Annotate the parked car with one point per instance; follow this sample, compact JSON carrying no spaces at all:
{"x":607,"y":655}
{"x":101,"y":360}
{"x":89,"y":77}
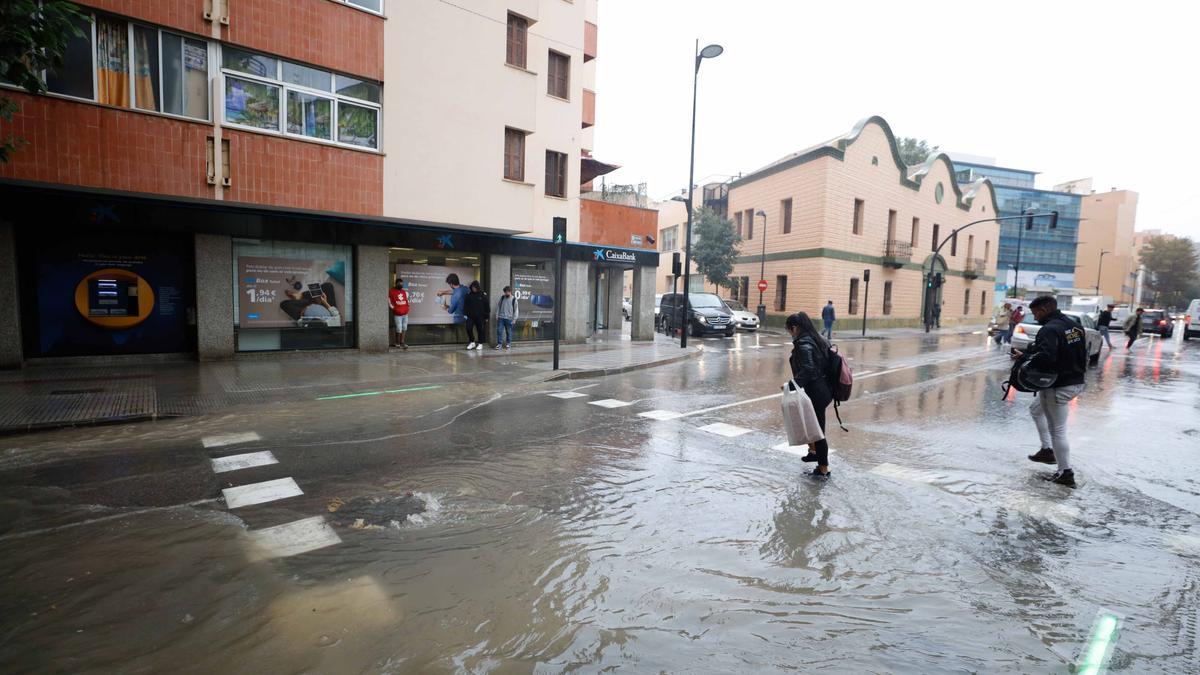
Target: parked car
{"x":626,"y":308}
{"x":1158,"y":322}
{"x":1191,"y":320}
{"x":706,"y":314}
{"x":742,"y":318}
{"x":1025,"y":331}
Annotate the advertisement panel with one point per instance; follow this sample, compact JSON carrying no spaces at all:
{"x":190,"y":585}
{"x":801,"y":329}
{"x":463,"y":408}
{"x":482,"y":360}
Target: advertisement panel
{"x":428,"y":292}
{"x":534,"y":290}
{"x":288,"y":292}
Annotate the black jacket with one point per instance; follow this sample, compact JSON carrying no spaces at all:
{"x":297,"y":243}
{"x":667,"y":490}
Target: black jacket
{"x":810,"y":365}
{"x":1060,"y":346}
{"x":475,"y":305}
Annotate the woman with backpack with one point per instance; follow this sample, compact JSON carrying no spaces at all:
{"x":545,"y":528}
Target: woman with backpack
{"x":810,"y":368}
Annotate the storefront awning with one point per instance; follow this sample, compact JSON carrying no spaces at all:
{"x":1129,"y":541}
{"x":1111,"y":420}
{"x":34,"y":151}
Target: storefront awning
{"x":591,"y":169}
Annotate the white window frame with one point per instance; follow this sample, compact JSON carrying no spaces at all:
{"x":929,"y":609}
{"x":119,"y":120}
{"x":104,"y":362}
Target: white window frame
{"x":284,"y":87}
{"x":351,"y":3}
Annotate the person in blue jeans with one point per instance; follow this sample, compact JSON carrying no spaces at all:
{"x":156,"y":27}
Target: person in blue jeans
{"x":506,"y":314}
{"x":455,"y":305}
{"x":828,"y":316}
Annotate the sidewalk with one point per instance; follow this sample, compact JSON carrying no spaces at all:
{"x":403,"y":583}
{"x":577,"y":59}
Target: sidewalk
{"x":54,"y":396}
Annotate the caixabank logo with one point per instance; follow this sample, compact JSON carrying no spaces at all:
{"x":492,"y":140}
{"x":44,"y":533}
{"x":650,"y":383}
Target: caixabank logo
{"x":609,"y":255}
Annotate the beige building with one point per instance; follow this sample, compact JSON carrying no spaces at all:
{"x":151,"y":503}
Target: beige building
{"x":1107,"y":226}
{"x":838,"y":209}
{"x":672,"y":230}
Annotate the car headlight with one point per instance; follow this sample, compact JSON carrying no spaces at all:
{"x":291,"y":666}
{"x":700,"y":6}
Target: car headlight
{"x":701,"y":319}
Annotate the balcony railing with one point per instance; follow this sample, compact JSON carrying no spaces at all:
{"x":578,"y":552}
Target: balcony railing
{"x":896,"y":253}
{"x":974,"y":268}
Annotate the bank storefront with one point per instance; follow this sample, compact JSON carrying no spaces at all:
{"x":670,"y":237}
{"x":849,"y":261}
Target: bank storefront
{"x":104,"y":274}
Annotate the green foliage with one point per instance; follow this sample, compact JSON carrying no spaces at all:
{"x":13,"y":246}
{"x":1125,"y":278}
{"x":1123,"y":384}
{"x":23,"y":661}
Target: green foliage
{"x":714,"y":246}
{"x":1170,"y":264}
{"x":33,"y":37}
{"x":914,"y":152}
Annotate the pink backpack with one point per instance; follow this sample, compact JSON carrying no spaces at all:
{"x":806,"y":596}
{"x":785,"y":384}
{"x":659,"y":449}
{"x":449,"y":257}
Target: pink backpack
{"x":841,"y":381}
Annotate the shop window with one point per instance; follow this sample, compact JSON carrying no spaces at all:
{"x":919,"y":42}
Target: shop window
{"x":854,"y":296}
{"x":431,"y":297}
{"x":781,"y":293}
{"x":292,"y":296}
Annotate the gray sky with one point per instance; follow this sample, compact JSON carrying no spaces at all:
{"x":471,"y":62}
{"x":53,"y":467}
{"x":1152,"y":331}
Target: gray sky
{"x":1109,"y":87}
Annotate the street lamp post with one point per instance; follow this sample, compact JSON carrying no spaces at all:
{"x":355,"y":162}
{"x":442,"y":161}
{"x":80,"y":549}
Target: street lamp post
{"x":762,"y":270}
{"x":709,"y":52}
{"x":1099,"y":268}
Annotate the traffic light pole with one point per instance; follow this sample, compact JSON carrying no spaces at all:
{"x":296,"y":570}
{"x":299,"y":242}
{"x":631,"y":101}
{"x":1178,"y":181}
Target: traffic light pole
{"x":1027,"y":217}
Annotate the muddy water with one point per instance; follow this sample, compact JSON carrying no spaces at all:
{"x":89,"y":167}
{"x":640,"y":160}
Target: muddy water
{"x":655,"y":548}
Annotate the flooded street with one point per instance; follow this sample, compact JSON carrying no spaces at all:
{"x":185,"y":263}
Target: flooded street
{"x":654,"y":522}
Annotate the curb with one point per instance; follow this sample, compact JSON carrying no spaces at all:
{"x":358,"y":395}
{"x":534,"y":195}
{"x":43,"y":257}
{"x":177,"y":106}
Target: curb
{"x":94,"y":422}
{"x":602,"y":372}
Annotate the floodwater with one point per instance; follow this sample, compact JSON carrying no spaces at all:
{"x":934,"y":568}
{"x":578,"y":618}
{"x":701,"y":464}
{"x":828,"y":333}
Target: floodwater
{"x":562,"y":536}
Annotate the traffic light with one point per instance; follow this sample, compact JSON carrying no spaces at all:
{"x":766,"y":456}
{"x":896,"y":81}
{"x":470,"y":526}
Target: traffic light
{"x":676,"y":265}
{"x":1054,"y":220}
{"x":1029,"y":219}
{"x":937,"y":280}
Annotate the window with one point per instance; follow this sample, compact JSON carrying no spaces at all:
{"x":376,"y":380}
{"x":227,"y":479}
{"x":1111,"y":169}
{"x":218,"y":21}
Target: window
{"x":556,"y":174}
{"x":737,"y":223}
{"x":891,"y":233}
{"x":887,"y":297}
{"x":370,"y":5}
{"x":785,"y":208}
{"x":987,"y":249}
{"x":916,"y":232}
{"x":967,"y":301}
{"x":781,"y":293}
{"x":749,"y":223}
{"x":983,"y":302}
{"x":745,"y":285}
{"x":518,"y":41}
{"x":262,"y":92}
{"x":971,"y":246}
{"x":514,"y":154}
{"x":558,"y":81}
{"x":854,"y":296}
{"x":119,"y":63}
{"x":934,"y":245}
{"x":668,"y":238}
{"x":858,"y":216}
{"x":953,"y":244}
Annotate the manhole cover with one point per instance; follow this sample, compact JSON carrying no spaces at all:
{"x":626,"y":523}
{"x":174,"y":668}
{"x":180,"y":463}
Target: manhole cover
{"x":375,"y":513}
{"x":66,"y":392}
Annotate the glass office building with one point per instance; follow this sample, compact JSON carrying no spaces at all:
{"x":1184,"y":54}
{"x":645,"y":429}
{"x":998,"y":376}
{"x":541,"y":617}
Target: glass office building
{"x":1047,"y":257}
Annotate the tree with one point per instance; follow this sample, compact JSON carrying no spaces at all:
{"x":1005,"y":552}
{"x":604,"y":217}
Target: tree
{"x":1170,"y":264}
{"x":34,"y":35}
{"x":914,"y":152}
{"x":714,"y":246}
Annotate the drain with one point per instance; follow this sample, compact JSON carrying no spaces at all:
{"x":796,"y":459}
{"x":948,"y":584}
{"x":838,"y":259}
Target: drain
{"x":374,"y":513}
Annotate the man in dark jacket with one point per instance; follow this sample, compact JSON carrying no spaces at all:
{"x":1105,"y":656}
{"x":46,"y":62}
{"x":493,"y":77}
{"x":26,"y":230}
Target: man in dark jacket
{"x":475,"y":308}
{"x":1059,"y":347}
{"x":828,"y":316}
{"x":1103,"y":322}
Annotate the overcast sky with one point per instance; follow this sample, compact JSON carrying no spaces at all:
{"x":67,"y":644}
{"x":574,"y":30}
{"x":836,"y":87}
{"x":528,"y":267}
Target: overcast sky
{"x":1069,"y":89}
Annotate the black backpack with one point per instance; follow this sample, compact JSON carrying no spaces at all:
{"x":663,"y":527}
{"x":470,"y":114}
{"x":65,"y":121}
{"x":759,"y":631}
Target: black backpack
{"x":840,"y":380}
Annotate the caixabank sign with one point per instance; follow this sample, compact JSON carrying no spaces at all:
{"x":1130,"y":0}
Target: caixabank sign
{"x":615,"y":255}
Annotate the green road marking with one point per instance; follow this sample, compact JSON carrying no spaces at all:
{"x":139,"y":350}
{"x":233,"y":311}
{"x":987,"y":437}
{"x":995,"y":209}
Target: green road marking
{"x":377,"y":393}
{"x":1100,"y":647}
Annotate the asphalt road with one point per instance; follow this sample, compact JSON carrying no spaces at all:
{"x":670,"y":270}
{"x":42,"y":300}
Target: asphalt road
{"x":650,"y":522}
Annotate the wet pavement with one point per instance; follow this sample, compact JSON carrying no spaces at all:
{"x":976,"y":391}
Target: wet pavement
{"x":652,"y":521}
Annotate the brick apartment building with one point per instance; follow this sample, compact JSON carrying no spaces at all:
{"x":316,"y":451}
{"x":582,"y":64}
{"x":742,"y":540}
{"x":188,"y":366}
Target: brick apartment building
{"x":211,"y":177}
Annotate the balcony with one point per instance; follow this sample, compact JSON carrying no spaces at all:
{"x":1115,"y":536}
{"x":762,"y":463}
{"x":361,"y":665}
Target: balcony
{"x":589,"y":41}
{"x":974,"y":267}
{"x":589,"y":108}
{"x":896,"y":253}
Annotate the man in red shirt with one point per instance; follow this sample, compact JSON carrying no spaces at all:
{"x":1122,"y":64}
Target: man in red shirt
{"x":398,"y":301}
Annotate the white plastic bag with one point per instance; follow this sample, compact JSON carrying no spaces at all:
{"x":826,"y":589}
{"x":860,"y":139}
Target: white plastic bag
{"x":799,"y":417}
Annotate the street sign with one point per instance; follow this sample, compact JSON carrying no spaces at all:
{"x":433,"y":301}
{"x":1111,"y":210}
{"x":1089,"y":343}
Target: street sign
{"x":762,"y":285}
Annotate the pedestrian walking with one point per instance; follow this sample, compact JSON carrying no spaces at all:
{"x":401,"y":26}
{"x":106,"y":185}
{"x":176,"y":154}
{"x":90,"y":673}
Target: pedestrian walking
{"x":1002,"y":319}
{"x":828,"y":316}
{"x":1133,"y":327}
{"x":398,"y":301}
{"x":1017,"y":316}
{"x":937,"y":314}
{"x":475,"y":308}
{"x":1060,"y":347}
{"x":1103,"y":322}
{"x":454,"y":305}
{"x":810,"y":368}
{"x":506,"y":314}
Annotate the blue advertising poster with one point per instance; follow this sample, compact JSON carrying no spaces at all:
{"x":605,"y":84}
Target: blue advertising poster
{"x":104,"y":294}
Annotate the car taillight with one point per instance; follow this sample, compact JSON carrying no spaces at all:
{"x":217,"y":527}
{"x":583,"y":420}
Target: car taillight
{"x":1162,"y":322}
{"x":1021,"y":330}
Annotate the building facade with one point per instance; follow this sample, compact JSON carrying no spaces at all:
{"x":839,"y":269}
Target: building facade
{"x":1043,"y":258}
{"x":211,"y":178}
{"x":847,"y":208}
{"x":1106,"y":260}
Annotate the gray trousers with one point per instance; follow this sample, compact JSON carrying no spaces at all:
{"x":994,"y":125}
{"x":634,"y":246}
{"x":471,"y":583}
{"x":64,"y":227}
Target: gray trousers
{"x":1050,"y":410}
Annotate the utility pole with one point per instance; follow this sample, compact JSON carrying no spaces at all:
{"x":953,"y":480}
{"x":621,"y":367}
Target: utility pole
{"x":866,"y":298}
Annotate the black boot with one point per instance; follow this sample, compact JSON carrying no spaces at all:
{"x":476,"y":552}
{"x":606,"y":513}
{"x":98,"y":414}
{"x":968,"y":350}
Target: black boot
{"x":1045,"y":456}
{"x":1064,"y":477}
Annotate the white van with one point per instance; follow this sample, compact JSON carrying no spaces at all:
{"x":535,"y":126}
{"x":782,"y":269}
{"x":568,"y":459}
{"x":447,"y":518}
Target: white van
{"x":1191,"y":322}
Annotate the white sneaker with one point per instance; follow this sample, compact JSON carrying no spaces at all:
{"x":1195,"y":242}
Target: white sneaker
{"x":505,"y":347}
{"x":496,"y":347}
{"x":479,"y":346}
{"x":470,"y":346}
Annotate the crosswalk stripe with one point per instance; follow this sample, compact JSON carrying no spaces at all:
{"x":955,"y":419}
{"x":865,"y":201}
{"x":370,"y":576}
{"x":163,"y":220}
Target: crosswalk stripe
{"x":568,"y":394}
{"x":260,"y":493}
{"x":221,"y":440}
{"x":723,"y":429}
{"x":799,"y":450}
{"x":611,"y":403}
{"x":660,"y":414}
{"x":246,"y":461}
{"x":293,"y":538}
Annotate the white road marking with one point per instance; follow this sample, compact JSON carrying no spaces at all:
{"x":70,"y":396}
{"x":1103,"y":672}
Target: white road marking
{"x":568,"y":394}
{"x":1035,"y":507}
{"x":904,"y":473}
{"x":246,"y":461}
{"x":798,"y":450}
{"x":726,"y":430}
{"x":259,"y":493}
{"x":293,"y":538}
{"x":221,"y":440}
{"x":754,"y":347}
{"x":660,"y":414}
{"x":611,"y":403}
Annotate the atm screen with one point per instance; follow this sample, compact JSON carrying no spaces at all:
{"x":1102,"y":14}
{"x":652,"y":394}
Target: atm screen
{"x":112,"y":297}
